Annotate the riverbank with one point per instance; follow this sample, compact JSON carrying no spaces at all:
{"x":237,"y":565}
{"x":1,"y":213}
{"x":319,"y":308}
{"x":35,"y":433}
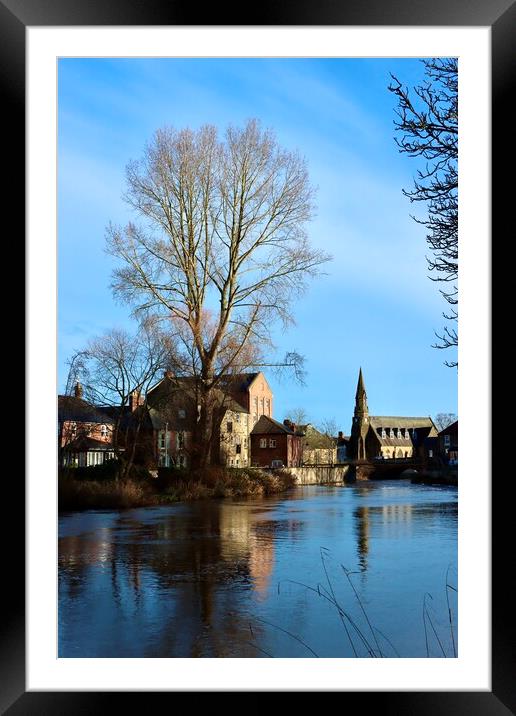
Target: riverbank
{"x":447,"y":475}
{"x":169,"y":487}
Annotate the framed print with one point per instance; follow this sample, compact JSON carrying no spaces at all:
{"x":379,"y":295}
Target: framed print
{"x":49,"y":55}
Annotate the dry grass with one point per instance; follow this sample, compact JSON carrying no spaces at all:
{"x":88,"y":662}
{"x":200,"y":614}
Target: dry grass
{"x":84,"y":494}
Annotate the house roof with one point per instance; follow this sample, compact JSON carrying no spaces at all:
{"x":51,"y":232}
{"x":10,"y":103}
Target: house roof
{"x":266,"y":425}
{"x":450,"y":429}
{"x":84,"y":444}
{"x":228,"y":396}
{"x":78,"y":410}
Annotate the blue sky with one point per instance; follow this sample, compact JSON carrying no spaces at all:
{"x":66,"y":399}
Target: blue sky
{"x":375,"y":308}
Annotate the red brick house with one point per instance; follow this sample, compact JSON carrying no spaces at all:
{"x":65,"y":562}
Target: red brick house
{"x":449,"y":443}
{"x":272,"y":441}
{"x":85,"y":432}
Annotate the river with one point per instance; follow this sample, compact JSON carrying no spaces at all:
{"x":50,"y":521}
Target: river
{"x":330,"y":571}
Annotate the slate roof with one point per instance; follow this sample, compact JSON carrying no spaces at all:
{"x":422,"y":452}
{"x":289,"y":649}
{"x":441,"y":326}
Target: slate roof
{"x":393,"y":421}
{"x":84,"y":443}
{"x":80,"y":411}
{"x":423,"y":427}
{"x":172,"y":393}
{"x":266,"y":425}
{"x":450,"y":429}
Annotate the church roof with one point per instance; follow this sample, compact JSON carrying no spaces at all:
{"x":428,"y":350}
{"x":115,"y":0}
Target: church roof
{"x":396,"y":421}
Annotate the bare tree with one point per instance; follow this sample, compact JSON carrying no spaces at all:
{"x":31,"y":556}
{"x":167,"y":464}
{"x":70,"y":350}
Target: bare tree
{"x":428,"y":125}
{"x":222,"y":249}
{"x":297,"y":416}
{"x":328,"y":428}
{"x":442,"y":420}
{"x":76,"y":368}
{"x":116,"y":370}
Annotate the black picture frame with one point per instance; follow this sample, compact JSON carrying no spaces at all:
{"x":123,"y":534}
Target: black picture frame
{"x":500,"y":16}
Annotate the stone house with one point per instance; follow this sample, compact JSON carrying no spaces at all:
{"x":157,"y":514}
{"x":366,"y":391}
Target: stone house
{"x":342,"y":447}
{"x":318,"y":448}
{"x":237,"y":406}
{"x":273,"y":441}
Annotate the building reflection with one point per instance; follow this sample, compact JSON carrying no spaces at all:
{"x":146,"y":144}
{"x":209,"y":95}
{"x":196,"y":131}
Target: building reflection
{"x":362,"y":535}
{"x":186,"y":578}
{"x":386,"y":521}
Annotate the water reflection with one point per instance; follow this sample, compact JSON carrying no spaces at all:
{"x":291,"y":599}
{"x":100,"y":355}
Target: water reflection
{"x":203,"y":579}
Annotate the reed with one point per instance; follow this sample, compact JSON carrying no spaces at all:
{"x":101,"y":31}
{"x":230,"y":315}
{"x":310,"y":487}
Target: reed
{"x":356,"y":635}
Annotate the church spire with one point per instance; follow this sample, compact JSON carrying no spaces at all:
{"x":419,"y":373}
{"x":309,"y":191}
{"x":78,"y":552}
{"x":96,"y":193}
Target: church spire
{"x":361,"y":397}
{"x":360,"y":427}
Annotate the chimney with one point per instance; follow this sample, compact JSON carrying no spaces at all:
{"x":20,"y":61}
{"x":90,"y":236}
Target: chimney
{"x":135,"y":400}
{"x":168,"y":374}
{"x":78,"y":390}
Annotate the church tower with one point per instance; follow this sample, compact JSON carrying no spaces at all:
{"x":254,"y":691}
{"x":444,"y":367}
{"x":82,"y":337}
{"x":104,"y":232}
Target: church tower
{"x":360,"y":421}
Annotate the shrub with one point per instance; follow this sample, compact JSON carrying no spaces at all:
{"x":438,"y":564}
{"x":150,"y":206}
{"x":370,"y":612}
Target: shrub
{"x":87,"y":494}
{"x":170,"y":476}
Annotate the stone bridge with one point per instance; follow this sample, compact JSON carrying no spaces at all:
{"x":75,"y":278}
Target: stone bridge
{"x":384,"y":469}
{"x":352,"y":470}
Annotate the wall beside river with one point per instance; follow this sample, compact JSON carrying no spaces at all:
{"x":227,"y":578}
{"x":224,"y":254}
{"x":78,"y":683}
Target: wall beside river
{"x":319,"y":475}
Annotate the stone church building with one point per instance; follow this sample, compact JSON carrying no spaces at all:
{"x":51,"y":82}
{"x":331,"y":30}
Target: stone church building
{"x":379,"y":436}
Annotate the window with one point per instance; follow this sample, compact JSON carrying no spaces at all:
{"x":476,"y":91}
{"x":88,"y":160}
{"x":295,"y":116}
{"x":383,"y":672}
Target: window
{"x":272,"y":442}
{"x":406,"y":433}
{"x":229,"y":427}
{"x":268,"y":407}
{"x":238,"y":449}
{"x":237,"y":417}
{"x":162,"y":440}
{"x":447,"y":441}
{"x":181,"y":413}
{"x":263,"y":442}
{"x":180,"y":440}
{"x":103,"y":431}
{"x":73,"y":429}
{"x":384,"y":433}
